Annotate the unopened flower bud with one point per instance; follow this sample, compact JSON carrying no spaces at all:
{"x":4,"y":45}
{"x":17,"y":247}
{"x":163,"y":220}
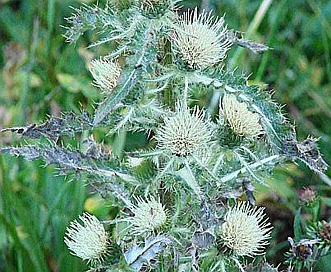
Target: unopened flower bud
{"x":307,"y":195}
{"x":105,"y":73}
{"x":241,"y":121}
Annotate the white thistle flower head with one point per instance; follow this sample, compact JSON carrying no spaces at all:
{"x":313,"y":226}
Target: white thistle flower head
{"x":87,"y":240}
{"x":105,"y":73}
{"x":185,"y":133}
{"x":241,"y":121}
{"x":149,"y":216}
{"x":245,"y":231}
{"x":200,"y":40}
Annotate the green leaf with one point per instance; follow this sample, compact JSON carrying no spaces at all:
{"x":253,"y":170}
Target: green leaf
{"x":117,"y":95}
{"x":136,"y":256}
{"x":297,"y":224}
{"x":186,"y":174}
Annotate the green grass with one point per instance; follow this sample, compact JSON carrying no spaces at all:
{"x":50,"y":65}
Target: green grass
{"x":50,"y":77}
{"x":36,"y":205}
{"x":33,"y":216}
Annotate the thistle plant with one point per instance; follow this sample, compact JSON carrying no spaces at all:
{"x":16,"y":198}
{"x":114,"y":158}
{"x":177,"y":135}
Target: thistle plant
{"x":186,"y":195}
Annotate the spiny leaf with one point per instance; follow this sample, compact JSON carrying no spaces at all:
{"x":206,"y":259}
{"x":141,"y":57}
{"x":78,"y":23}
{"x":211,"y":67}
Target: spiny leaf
{"x":55,"y":127}
{"x":136,"y":256}
{"x":263,"y":266}
{"x":306,"y":151}
{"x":88,"y":17}
{"x":118,"y":94}
{"x":129,"y":76}
{"x":30,"y":152}
{"x":203,"y":239}
{"x":255,"y":47}
{"x":186,"y":174}
{"x":65,"y":159}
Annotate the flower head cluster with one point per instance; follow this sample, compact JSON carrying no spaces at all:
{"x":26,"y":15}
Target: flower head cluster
{"x":307,"y":195}
{"x":302,"y":250}
{"x":149,"y":216}
{"x":325,"y":232}
{"x":241,"y":121}
{"x":105,"y":73}
{"x":185,"y":133}
{"x":88,"y":240}
{"x":245,"y":231}
{"x":201,"y":41}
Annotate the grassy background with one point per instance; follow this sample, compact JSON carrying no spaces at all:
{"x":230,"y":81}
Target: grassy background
{"x":42,"y":75}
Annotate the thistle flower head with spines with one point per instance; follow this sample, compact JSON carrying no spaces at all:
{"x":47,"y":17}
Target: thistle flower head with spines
{"x":154,"y":8}
{"x":200,"y":40}
{"x":88,"y":240}
{"x":149,"y":216}
{"x":185,"y":133}
{"x":151,"y":4}
{"x":105,"y":73}
{"x":241,"y":121}
{"x":245,"y":231}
